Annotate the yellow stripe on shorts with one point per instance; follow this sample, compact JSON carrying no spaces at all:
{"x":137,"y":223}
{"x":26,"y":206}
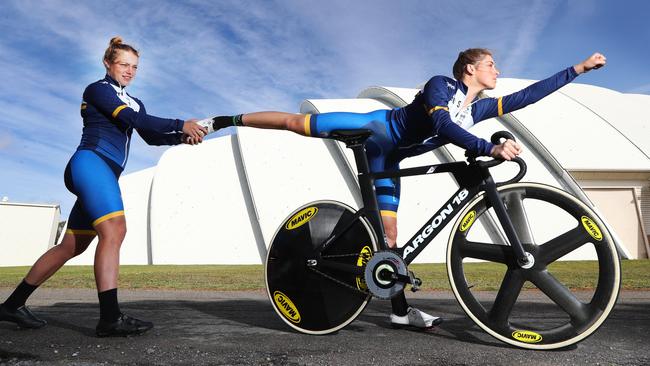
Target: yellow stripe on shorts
{"x":107,"y":217}
{"x":81,"y":232}
{"x":388,"y":213}
{"x":307,"y":124}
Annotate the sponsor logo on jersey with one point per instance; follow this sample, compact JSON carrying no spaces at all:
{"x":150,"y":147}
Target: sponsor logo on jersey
{"x":364,"y":257}
{"x":301,"y":218}
{"x":468,"y":220}
{"x":286,"y":306}
{"x":591,"y":228}
{"x":460,"y":116}
{"x":526,"y":336}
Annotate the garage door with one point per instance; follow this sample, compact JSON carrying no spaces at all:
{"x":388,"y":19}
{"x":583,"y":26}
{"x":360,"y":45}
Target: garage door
{"x":619,"y":206}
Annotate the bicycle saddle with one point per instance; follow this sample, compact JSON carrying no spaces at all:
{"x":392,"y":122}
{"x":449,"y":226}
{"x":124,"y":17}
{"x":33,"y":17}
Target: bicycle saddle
{"x":351,"y":137}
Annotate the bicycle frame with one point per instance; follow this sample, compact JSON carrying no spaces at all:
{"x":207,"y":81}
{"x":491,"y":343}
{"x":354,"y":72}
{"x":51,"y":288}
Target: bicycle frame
{"x":350,"y":264}
{"x":472,"y":179}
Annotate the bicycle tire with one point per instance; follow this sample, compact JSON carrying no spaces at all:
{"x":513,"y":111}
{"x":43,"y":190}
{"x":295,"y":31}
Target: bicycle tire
{"x":317,"y":300}
{"x":571,"y":315}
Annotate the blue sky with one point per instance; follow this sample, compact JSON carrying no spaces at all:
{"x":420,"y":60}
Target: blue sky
{"x":201,"y":58}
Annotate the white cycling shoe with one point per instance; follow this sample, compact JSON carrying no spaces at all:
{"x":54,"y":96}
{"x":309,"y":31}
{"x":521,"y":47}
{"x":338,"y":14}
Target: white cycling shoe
{"x":415,"y":318}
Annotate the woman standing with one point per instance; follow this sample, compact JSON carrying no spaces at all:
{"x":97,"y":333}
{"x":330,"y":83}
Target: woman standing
{"x":109,"y":115}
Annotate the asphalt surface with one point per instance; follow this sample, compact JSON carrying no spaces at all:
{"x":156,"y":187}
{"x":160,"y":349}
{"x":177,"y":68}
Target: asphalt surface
{"x":241,"y":328}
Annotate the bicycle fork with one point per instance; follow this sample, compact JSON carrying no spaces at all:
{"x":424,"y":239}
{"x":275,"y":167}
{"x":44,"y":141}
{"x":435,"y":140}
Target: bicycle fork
{"x":524,"y":259}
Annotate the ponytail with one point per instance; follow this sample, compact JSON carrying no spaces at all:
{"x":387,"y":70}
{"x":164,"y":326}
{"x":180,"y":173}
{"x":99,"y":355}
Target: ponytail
{"x":116,"y":45}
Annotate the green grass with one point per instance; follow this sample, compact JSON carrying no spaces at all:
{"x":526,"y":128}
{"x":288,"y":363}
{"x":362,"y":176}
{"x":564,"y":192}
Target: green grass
{"x":484,"y":276}
{"x":208,"y":277}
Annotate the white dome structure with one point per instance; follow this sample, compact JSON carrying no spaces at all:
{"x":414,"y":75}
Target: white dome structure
{"x":221,"y":202}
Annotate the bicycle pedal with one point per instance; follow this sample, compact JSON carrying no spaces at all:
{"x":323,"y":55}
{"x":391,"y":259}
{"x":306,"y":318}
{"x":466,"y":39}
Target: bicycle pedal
{"x":414,"y":281}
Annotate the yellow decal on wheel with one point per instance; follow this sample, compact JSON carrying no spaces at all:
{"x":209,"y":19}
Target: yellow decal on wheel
{"x":526,"y":336}
{"x":301,"y":218}
{"x":364,"y":257}
{"x":286,"y":306}
{"x":591,"y":228}
{"x":468,"y":220}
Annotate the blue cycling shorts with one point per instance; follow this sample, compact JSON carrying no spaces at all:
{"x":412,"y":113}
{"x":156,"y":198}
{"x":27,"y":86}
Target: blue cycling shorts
{"x":93,"y":179}
{"x":378,"y":148}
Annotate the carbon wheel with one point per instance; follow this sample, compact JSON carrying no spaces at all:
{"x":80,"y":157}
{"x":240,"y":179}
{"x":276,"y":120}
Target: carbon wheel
{"x":554,"y":312}
{"x":309,"y":298}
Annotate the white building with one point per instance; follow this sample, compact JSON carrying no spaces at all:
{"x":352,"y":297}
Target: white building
{"x":188,"y":209}
{"x":26,"y":230}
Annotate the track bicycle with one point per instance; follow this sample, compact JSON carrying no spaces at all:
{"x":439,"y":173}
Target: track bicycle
{"x":327,"y":260}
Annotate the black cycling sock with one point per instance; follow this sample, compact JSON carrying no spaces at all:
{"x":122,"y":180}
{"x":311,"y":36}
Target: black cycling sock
{"x":238,"y":120}
{"x":109,"y":309}
{"x":400,"y":306}
{"x":220,"y":122}
{"x":19,"y":296}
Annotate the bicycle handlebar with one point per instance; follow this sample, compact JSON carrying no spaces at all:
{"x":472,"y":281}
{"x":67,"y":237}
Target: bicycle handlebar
{"x":522,"y":171}
{"x":497,"y":136}
{"x":496,"y":139}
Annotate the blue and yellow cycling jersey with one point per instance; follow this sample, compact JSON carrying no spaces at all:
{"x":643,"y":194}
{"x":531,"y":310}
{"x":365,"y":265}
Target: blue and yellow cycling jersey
{"x":110,"y":114}
{"x":436,"y":116}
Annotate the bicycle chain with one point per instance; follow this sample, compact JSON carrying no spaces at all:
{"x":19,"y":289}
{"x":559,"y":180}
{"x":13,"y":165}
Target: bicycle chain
{"x":340,"y":255}
{"x":339,"y":281}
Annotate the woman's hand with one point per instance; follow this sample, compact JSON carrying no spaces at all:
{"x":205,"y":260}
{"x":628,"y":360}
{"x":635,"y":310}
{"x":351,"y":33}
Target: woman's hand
{"x":506,"y":151}
{"x":193,"y":132}
{"x":595,"y":61}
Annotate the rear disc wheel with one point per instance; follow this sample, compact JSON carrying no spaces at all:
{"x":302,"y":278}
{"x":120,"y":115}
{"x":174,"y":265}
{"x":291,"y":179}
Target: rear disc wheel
{"x":308,"y":297}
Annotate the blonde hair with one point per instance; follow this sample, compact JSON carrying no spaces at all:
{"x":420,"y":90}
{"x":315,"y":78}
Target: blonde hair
{"x":116,"y":45}
{"x":468,"y":57}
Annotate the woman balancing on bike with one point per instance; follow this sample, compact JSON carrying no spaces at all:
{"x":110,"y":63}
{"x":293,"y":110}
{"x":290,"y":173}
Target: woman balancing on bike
{"x":440,"y":113}
{"x":109,"y":115}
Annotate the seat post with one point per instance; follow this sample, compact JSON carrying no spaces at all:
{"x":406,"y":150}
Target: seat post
{"x":366,"y":185}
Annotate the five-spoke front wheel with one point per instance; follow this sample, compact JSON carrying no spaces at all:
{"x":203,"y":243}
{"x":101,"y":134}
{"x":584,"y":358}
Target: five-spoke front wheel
{"x":552,"y":225}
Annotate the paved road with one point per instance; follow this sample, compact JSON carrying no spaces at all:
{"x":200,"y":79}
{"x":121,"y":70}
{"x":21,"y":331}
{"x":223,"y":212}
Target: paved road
{"x":232,"y":328}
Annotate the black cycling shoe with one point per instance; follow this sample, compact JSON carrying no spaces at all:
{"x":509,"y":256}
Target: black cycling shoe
{"x":124,"y":326}
{"x":22,"y":316}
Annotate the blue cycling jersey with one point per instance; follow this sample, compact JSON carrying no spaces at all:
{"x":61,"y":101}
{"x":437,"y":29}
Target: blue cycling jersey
{"x":436,"y":116}
{"x":110,"y":114}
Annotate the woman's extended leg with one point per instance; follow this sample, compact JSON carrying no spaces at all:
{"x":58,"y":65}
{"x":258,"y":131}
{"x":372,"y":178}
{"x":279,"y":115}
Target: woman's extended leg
{"x":277,"y":121}
{"x":317,"y":125}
